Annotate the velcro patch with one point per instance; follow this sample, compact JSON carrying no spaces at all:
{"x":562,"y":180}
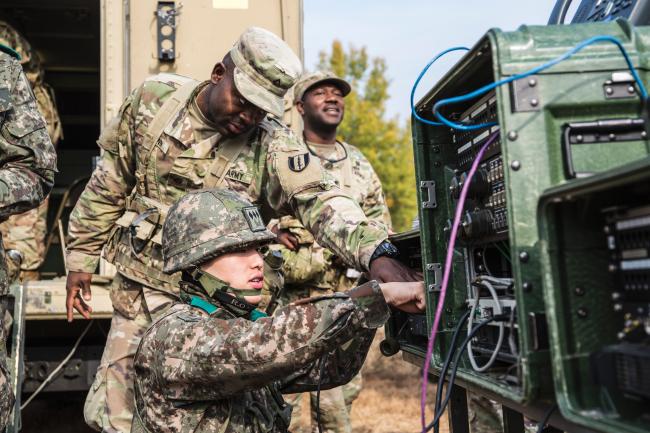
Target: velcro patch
{"x":239,"y":176}
{"x":254,"y":219}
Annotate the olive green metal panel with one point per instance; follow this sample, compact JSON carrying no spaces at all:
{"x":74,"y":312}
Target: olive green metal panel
{"x":533,"y":157}
{"x":578,"y":285}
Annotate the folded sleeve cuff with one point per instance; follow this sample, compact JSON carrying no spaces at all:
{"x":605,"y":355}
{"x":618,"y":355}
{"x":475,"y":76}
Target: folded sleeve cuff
{"x":369,"y":299}
{"x":80,"y":262}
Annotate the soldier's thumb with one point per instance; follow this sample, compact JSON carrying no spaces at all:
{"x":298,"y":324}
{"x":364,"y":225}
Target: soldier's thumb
{"x":86,"y":293}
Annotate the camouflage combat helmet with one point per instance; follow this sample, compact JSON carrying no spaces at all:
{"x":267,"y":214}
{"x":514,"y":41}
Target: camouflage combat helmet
{"x":207,"y":223}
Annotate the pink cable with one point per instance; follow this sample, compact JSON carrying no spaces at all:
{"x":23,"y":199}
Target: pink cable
{"x":445,"y":277}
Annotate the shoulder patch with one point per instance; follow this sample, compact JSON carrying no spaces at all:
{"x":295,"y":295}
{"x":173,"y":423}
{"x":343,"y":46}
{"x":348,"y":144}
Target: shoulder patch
{"x":8,"y":50}
{"x":298,"y":163}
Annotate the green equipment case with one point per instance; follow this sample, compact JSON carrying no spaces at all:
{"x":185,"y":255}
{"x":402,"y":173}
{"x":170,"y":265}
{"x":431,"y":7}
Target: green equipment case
{"x":595,"y":243}
{"x":581,"y":117}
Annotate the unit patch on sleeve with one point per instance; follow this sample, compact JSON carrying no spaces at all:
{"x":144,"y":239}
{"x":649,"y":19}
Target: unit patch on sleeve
{"x":298,"y":163}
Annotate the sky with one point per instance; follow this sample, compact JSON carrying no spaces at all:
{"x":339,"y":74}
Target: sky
{"x":409,"y":33}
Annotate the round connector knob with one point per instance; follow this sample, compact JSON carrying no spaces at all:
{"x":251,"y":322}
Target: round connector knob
{"x":480,"y":186}
{"x":389,"y":347}
{"x":477,"y":224}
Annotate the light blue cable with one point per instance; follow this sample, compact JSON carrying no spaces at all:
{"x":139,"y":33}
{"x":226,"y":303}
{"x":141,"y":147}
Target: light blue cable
{"x":488,"y":87}
{"x":426,"y":68}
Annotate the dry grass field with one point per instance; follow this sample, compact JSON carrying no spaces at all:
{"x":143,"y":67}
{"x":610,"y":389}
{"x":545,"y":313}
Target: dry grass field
{"x":390,"y":399}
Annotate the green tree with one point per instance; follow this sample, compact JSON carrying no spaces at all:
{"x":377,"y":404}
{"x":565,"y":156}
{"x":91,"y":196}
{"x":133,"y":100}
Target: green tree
{"x":385,"y":143}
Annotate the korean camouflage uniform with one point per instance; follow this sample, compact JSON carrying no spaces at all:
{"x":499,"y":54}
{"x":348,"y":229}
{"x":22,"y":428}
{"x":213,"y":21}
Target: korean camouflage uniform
{"x":141,"y":170}
{"x":314,"y":270}
{"x":27,"y":167}
{"x":199,"y":372}
{"x":26,"y":232}
{"x":205,"y":367}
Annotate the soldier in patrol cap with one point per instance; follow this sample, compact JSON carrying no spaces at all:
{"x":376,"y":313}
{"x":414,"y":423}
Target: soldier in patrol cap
{"x":174,"y":135}
{"x":27,"y":167}
{"x":26,"y":232}
{"x":213,"y":362}
{"x":309,"y":268}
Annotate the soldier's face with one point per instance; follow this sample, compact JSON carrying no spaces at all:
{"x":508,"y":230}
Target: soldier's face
{"x":226,"y":107}
{"x":240,"y":269}
{"x":323,"y":105}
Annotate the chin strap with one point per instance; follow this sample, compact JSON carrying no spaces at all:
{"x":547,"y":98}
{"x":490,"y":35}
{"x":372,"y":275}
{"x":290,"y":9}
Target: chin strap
{"x":229,"y":298}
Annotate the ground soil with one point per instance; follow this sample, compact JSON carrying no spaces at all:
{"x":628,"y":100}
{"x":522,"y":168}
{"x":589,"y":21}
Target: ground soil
{"x":390,"y":399}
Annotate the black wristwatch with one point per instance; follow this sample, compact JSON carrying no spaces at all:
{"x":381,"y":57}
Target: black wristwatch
{"x":385,"y":249}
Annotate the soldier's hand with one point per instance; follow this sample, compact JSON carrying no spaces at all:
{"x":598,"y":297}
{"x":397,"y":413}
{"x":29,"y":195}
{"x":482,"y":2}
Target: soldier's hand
{"x":386,"y":270}
{"x":78,"y":284}
{"x":286,"y":238}
{"x":408,"y":297}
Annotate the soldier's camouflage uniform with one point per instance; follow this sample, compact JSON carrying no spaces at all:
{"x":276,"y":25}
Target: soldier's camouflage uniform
{"x":27,"y":167}
{"x":198,"y":372}
{"x":26,"y":232}
{"x":313,"y":270}
{"x":137,"y":173}
{"x":206,"y":367}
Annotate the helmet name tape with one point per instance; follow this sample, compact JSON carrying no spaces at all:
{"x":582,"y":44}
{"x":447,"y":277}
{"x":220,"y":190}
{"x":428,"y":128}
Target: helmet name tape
{"x":254,"y":219}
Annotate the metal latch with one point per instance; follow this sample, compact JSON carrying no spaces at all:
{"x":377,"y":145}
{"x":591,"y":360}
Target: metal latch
{"x":428,"y":188}
{"x":622,"y":85}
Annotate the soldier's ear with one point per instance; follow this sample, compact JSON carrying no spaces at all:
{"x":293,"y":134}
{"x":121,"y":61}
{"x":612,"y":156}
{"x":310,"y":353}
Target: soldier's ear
{"x":218,"y":73}
{"x":300,"y":106}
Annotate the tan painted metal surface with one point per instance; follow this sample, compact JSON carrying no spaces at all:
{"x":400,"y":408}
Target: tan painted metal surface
{"x":205,"y":31}
{"x":46,"y":299}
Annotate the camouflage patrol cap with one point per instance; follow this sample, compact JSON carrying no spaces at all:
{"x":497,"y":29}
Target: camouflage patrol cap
{"x":207,"y":223}
{"x":308,"y":81}
{"x":265,"y":68}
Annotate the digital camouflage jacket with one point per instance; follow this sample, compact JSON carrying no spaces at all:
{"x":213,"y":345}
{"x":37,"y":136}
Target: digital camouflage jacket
{"x":199,"y":372}
{"x":27,"y":167}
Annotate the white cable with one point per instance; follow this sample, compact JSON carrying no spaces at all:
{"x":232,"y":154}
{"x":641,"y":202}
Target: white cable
{"x":58,"y":367}
{"x":497,"y":308}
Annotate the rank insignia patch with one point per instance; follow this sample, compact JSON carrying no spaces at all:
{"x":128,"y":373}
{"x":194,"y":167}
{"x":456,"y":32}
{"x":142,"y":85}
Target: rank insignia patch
{"x":298,"y":163}
{"x":254,"y":219}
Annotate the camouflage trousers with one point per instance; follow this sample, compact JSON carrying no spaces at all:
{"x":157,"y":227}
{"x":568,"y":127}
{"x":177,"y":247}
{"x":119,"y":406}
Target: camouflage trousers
{"x":6,"y":393}
{"x":110,"y":401}
{"x":335,"y":407}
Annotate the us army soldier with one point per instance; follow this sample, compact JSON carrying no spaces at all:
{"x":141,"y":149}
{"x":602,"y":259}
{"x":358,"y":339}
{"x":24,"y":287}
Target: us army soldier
{"x":26,"y":232}
{"x":309,"y":268}
{"x":213,"y":362}
{"x":174,"y":135}
{"x":27,"y":167}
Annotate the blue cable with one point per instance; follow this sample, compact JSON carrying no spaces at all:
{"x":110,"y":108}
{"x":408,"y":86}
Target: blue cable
{"x":426,"y":68}
{"x":488,"y":87}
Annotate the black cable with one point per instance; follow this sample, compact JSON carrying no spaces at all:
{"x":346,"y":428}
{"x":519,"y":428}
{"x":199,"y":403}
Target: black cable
{"x":558,"y":15}
{"x":445,"y":366}
{"x":547,"y":416}
{"x":452,"y":378}
{"x":321,"y":370}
